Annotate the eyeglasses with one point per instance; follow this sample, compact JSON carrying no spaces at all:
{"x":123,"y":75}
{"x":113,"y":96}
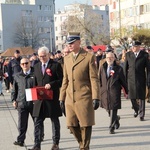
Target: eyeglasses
{"x":25,"y":63}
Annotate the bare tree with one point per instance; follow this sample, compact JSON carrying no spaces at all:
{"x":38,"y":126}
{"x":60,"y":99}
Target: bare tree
{"x":26,"y":33}
{"x":89,"y":23}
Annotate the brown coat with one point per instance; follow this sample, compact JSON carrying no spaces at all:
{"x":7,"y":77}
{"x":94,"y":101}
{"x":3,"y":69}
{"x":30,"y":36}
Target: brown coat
{"x":80,"y":85}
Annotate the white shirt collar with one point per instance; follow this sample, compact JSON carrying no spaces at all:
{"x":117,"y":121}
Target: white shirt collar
{"x":45,"y":64}
{"x":28,"y":72}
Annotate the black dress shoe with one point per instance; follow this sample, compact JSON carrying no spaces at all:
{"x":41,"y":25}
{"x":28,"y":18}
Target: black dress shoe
{"x":42,"y":138}
{"x":19,"y":143}
{"x":141,"y":118}
{"x":55,"y":147}
{"x":135,"y":114}
{"x":148,"y":101}
{"x":35,"y":148}
{"x":112,"y":131}
{"x":117,"y":124}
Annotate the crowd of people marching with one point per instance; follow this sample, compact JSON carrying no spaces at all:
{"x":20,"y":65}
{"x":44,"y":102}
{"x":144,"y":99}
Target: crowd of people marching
{"x":81,"y":81}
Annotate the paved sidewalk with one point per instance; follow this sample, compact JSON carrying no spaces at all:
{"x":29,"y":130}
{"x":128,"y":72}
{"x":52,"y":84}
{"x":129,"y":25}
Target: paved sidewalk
{"x":132,"y":134}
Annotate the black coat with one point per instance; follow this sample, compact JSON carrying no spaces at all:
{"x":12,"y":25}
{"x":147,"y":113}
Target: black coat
{"x":13,"y":68}
{"x":110,"y":87}
{"x":20,"y":83}
{"x":1,"y":75}
{"x":136,"y":71}
{"x":48,"y":108}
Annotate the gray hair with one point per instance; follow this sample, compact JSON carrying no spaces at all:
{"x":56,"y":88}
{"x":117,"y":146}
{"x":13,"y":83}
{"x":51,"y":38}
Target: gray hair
{"x":110,"y":53}
{"x":43,"y":49}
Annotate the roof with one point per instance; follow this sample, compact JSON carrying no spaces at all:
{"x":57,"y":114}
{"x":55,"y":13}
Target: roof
{"x":23,"y":51}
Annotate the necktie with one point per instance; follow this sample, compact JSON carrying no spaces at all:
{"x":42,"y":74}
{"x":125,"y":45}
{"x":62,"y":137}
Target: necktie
{"x":74,"y":57}
{"x":43,"y":68}
{"x":136,"y":54}
{"x":108,"y":71}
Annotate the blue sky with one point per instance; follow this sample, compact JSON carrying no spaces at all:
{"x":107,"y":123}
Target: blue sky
{"x":61,"y":3}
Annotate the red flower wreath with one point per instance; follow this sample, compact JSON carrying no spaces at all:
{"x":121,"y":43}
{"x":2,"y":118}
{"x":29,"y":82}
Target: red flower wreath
{"x":49,"y":72}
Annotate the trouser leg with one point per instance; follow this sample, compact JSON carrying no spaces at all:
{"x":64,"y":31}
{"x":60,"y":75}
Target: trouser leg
{"x":135,"y":105}
{"x":0,"y":87}
{"x":141,"y":108}
{"x":23,"y":115}
{"x":38,"y":121}
{"x":7,"y":83}
{"x":113,"y":118}
{"x":76,"y":131}
{"x":86,"y":137}
{"x":82,"y":135}
{"x":42,"y":133}
{"x":55,"y":130}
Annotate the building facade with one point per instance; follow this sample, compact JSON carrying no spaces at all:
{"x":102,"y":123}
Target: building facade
{"x":30,"y":20}
{"x":128,"y":15}
{"x":99,"y":2}
{"x":83,"y":12}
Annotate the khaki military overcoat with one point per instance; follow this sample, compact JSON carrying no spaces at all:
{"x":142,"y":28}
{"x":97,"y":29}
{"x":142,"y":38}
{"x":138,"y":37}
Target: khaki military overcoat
{"x":80,"y":86}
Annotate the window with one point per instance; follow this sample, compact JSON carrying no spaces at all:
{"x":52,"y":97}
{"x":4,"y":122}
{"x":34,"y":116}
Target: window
{"x":40,"y":19}
{"x":110,"y":2}
{"x":56,"y":38}
{"x":56,"y":46}
{"x":147,"y":8}
{"x":56,"y":29}
{"x":134,"y":11}
{"x":134,"y":2}
{"x":26,"y":12}
{"x":114,"y":5}
{"x":47,"y":19}
{"x":130,"y":12}
{"x":122,"y":13}
{"x":141,"y":9}
{"x":47,"y":8}
{"x":41,"y":30}
{"x":39,"y":7}
{"x":111,"y":16}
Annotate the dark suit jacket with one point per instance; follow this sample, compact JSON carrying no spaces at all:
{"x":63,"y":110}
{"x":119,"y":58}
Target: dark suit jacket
{"x":137,"y":71}
{"x":48,"y":108}
{"x":110,"y":87}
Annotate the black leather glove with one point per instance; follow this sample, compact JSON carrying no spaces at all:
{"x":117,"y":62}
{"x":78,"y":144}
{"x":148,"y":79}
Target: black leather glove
{"x":62,"y":106}
{"x":95,"y":104}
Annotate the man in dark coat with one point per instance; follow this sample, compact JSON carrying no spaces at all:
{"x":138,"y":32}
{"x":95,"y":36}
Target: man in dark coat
{"x":136,"y":66}
{"x":59,"y":58}
{"x":48,"y":74}
{"x":14,"y":66}
{"x":34,"y":59}
{"x":112,"y":80}
{"x":22,"y":81}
